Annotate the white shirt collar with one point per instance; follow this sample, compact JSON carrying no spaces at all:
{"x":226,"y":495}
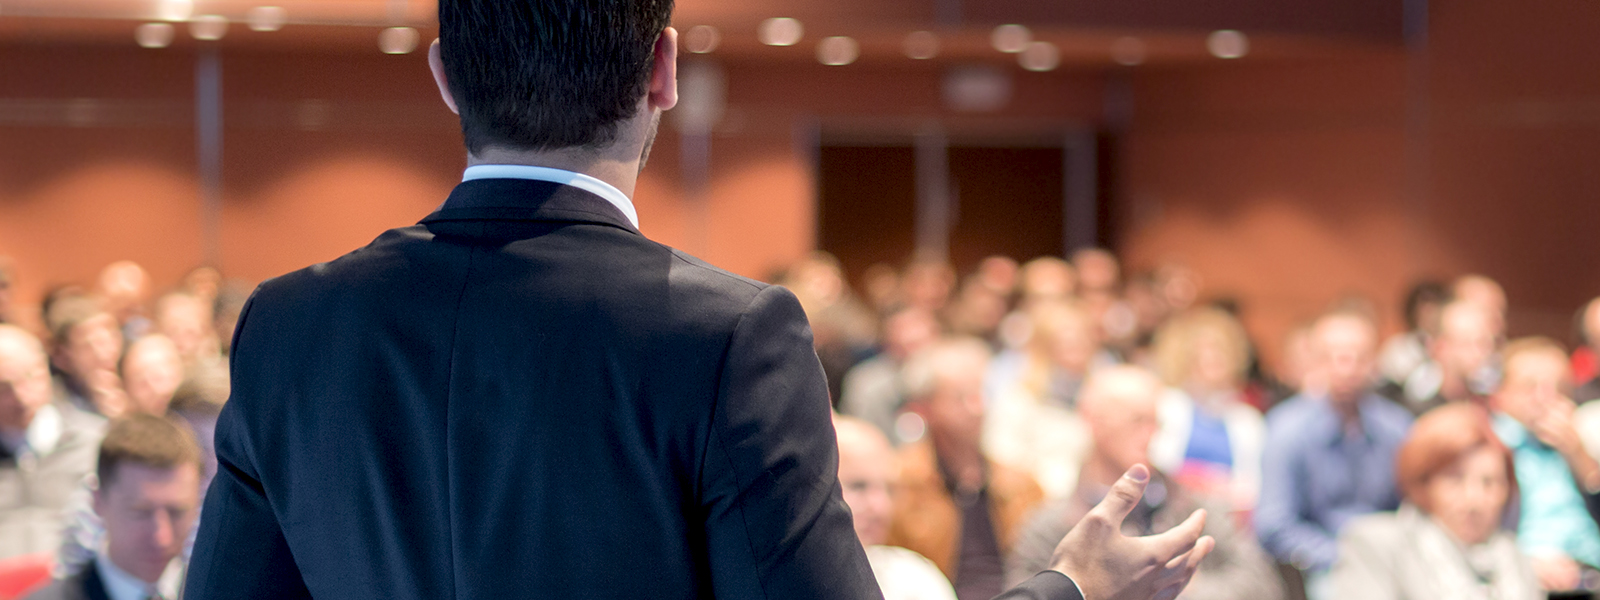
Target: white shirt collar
{"x":577,"y":180}
{"x":122,"y":586}
{"x":43,"y":433}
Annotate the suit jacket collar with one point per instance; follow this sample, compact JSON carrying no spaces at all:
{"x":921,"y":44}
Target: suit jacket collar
{"x":527,"y":200}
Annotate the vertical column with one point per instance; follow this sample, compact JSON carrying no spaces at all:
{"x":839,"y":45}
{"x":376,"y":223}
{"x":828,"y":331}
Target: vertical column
{"x":208,"y":128}
{"x":934,"y":203}
{"x":1080,"y":177}
{"x":1418,"y":149}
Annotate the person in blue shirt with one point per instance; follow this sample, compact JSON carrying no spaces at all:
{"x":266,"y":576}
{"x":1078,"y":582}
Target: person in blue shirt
{"x":1329,"y":453}
{"x":1533,"y":416}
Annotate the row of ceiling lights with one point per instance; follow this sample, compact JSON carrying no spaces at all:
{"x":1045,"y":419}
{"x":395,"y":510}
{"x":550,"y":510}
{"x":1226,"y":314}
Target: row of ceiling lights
{"x":1033,"y":55}
{"x":839,"y":50}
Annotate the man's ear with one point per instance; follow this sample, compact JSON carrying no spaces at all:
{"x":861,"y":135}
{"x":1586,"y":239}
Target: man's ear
{"x":436,"y":64}
{"x":664,"y":71}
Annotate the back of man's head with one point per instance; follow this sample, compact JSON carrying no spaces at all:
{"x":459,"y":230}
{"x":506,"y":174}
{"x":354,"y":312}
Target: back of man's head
{"x":548,"y":74}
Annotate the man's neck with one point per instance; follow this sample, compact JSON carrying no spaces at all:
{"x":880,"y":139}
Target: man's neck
{"x":963,"y":461}
{"x":1348,"y":409}
{"x":606,"y":165}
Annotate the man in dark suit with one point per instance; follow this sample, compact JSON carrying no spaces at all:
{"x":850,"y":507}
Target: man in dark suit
{"x":522,"y":396}
{"x":148,"y":494}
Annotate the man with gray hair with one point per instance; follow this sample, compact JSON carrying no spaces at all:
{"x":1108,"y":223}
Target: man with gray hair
{"x":46,"y":447}
{"x":1118,"y":405}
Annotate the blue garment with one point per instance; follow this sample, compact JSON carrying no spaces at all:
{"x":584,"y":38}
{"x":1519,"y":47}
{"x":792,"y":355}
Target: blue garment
{"x":1208,"y":441}
{"x":1316,"y":475}
{"x":1554,"y":517}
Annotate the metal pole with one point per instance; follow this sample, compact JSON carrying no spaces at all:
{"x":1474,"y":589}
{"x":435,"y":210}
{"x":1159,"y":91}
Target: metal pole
{"x":933,"y":193}
{"x":208,"y":128}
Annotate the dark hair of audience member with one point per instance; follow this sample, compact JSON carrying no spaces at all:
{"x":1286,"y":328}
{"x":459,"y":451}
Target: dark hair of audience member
{"x":145,"y":440}
{"x":1422,"y":294}
{"x":536,"y":85}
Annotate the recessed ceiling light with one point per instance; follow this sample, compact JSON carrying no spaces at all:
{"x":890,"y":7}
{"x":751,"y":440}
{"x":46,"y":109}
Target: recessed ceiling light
{"x":1128,"y":51}
{"x":781,"y":31}
{"x":154,"y":35}
{"x":922,"y":45}
{"x":209,"y":27}
{"x":838,"y":50}
{"x":1228,"y":43}
{"x":1040,"y":57}
{"x":702,"y":39}
{"x":398,"y":40}
{"x":1010,"y":39}
{"x":267,"y":18}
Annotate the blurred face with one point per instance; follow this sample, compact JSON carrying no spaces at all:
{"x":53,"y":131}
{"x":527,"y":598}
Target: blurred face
{"x":187,"y":322}
{"x":1466,"y":340}
{"x":999,"y":274}
{"x":928,"y":285}
{"x":909,"y":331}
{"x":1096,"y":270}
{"x":24,"y":381}
{"x":1213,"y":365}
{"x":1534,"y":383}
{"x":954,"y":411}
{"x":1469,"y":497}
{"x":1074,"y":344}
{"x":94,"y":345}
{"x":124,"y":283}
{"x":152,"y":373}
{"x":1343,"y":349}
{"x":867,"y":472}
{"x":148,"y":513}
{"x":1122,"y":421}
{"x":1591,"y":325}
{"x":1048,"y":280}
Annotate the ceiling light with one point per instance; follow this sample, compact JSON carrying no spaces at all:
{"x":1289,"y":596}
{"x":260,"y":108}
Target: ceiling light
{"x":1010,"y":39}
{"x":154,"y":35}
{"x":838,"y":50}
{"x":398,"y":40}
{"x":1039,"y":57}
{"x":702,"y":39}
{"x":781,"y":31}
{"x":175,"y":10}
{"x":209,"y":27}
{"x":922,"y":45}
{"x":1228,"y":43}
{"x":1128,"y":51}
{"x":267,"y":18}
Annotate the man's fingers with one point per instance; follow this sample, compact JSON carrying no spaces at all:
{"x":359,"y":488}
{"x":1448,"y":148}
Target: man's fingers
{"x":1179,"y":540}
{"x":1182,"y":569}
{"x":1124,"y":495}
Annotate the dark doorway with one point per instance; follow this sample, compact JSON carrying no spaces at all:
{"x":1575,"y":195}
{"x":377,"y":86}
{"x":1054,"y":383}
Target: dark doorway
{"x":1004,"y":200}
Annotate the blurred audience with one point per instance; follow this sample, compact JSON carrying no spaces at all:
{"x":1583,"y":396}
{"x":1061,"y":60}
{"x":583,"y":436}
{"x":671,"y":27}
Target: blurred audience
{"x":1119,"y":404}
{"x":872,"y":389}
{"x":1032,"y":394}
{"x":46,"y":447}
{"x":147,"y":499}
{"x":1406,"y":351}
{"x":125,"y":286}
{"x":8,"y":291}
{"x":867,"y":474}
{"x":955,"y":505}
{"x":1458,"y":368}
{"x":968,"y":400}
{"x":1534,"y":418}
{"x":1590,"y":390}
{"x":1329,"y":454}
{"x":1449,"y":539}
{"x":1210,"y":440}
{"x":87,"y":348}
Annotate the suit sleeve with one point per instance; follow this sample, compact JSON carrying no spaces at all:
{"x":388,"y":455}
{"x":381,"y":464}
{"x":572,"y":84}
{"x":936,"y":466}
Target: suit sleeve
{"x":240,"y":551}
{"x":1049,"y":585}
{"x":776,"y":524}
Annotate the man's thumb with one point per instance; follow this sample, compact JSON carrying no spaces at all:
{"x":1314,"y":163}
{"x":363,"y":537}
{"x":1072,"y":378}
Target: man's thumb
{"x":1124,"y":495}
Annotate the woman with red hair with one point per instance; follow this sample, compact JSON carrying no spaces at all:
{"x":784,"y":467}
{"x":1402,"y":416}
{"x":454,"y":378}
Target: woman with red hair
{"x":1448,"y":539}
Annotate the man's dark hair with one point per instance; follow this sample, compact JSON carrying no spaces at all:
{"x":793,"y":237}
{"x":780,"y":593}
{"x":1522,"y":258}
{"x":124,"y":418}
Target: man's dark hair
{"x":548,"y":74}
{"x":1427,"y":291}
{"x":145,"y":440}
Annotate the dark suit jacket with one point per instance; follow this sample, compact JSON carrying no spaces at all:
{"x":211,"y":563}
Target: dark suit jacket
{"x":523,"y":397}
{"x":86,"y":585}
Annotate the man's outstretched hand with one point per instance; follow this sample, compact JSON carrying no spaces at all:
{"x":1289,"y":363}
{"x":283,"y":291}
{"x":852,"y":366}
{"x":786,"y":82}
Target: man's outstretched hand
{"x":1107,"y":565}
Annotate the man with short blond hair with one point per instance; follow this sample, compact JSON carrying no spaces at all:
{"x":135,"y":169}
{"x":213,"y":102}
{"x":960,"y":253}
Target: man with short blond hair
{"x":147,"y":498}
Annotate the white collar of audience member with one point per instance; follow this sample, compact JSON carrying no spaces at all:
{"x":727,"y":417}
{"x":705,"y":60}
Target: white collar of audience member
{"x":42,"y":435}
{"x":578,"y":180}
{"x":122,"y":586}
